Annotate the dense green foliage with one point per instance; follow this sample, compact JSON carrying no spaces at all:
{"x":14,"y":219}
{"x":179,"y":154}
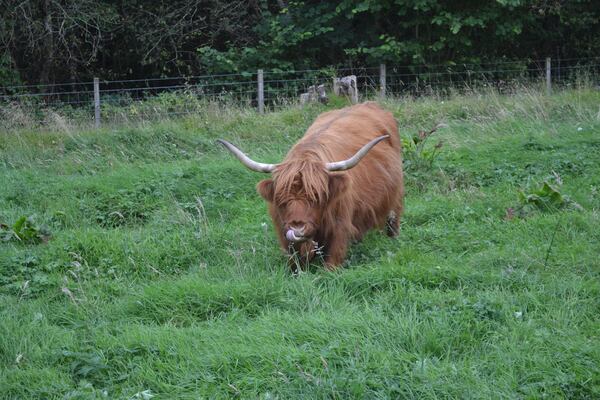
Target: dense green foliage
{"x":162,"y":276}
{"x":47,"y":41}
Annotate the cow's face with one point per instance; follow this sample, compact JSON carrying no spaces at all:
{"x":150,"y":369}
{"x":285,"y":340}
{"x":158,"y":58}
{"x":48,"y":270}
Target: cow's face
{"x":300,"y":219}
{"x":299,"y":215}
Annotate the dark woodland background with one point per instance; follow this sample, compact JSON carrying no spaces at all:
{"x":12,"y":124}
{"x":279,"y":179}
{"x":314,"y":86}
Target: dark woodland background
{"x":49,"y":41}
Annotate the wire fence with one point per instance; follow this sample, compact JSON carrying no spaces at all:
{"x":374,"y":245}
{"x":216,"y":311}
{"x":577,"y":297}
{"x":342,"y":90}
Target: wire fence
{"x":147,"y":99}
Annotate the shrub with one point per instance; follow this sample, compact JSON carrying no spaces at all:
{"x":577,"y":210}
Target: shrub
{"x":25,"y":230}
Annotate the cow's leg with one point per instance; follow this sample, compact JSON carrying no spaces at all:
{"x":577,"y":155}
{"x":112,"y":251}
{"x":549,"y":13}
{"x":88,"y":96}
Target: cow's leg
{"x":392,"y":227}
{"x":336,"y":252}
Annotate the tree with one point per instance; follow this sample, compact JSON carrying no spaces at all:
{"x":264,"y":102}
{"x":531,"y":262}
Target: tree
{"x":47,"y":41}
{"x":52,"y":40}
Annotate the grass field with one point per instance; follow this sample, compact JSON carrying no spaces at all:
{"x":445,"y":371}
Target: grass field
{"x":149,"y":268}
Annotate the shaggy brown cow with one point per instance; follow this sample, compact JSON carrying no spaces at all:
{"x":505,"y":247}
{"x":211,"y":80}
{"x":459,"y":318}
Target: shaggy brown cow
{"x":313,"y":203}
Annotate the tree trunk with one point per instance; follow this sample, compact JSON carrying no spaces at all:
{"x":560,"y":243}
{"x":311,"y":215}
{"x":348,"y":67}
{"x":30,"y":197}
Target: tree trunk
{"x":47,"y":50}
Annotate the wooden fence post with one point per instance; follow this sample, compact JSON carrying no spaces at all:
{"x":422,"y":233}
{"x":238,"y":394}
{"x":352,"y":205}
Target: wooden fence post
{"x":336,"y":86}
{"x":548,"y":76}
{"x":97,"y":102}
{"x":382,"y":84}
{"x":261,"y":92}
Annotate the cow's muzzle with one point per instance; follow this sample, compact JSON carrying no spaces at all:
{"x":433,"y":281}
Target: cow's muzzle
{"x":295,"y":235}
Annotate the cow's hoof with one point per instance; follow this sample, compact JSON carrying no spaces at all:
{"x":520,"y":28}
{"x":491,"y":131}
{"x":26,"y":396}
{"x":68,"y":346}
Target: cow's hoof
{"x":392,"y":226}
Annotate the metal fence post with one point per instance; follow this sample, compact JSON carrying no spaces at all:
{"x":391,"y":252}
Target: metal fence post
{"x":382,"y":84}
{"x":548,"y":76}
{"x":97,"y":102}
{"x":261,"y":92}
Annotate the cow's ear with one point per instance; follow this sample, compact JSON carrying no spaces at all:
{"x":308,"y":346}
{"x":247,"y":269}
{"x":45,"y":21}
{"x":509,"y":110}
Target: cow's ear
{"x":338,"y":184}
{"x":265,"y":189}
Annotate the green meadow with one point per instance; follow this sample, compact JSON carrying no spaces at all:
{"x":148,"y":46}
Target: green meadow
{"x":137,"y":261}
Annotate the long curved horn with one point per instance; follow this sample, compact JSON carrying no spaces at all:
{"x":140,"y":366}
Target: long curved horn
{"x":352,"y":161}
{"x":247,"y":161}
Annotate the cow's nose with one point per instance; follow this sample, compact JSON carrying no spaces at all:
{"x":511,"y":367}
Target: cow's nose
{"x":298,"y":227}
{"x":299,"y":231}
{"x":295,"y":234}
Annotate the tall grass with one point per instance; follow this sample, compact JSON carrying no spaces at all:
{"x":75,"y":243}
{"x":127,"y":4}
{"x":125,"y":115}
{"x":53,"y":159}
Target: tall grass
{"x":120,"y":109}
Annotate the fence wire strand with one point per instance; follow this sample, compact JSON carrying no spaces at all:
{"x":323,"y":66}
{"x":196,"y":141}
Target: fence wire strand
{"x":175,"y":96}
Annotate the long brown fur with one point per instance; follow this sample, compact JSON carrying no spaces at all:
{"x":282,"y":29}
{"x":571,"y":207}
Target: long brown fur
{"x":344,"y":205}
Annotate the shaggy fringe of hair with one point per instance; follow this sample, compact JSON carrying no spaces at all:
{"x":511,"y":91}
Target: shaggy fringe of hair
{"x":307,"y":178}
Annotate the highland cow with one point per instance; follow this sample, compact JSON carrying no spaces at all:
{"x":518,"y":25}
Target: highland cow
{"x":335,"y":184}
